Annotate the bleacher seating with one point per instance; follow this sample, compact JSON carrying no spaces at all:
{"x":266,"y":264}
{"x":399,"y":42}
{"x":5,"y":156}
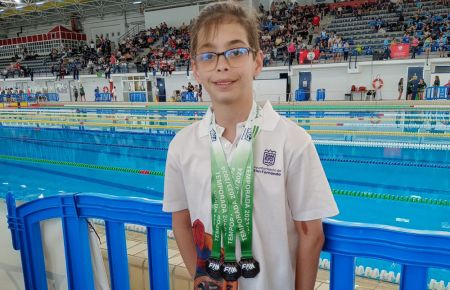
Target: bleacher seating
{"x":359,"y":30}
{"x":40,"y":65}
{"x":165,"y":53}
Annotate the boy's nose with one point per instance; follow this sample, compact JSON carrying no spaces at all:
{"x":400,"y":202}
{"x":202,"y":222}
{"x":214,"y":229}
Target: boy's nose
{"x":222,"y":63}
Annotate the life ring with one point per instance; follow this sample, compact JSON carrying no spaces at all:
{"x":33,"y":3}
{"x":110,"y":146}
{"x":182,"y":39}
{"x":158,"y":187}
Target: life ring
{"x":377,"y":83}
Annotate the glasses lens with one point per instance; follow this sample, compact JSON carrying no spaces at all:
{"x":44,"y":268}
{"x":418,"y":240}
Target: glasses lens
{"x":236,"y":56}
{"x":206,"y":60}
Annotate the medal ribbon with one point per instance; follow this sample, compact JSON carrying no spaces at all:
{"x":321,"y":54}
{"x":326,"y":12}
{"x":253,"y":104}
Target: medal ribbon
{"x":232,"y":191}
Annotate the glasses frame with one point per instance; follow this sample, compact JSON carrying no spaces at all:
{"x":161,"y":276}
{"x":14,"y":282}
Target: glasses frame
{"x":224,"y":53}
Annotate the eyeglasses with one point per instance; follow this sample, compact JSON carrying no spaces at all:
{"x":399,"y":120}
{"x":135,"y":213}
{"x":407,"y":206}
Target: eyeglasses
{"x":235,"y":58}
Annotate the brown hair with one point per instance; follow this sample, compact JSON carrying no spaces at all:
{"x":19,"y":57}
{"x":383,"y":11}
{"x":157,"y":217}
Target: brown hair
{"x":225,"y":12}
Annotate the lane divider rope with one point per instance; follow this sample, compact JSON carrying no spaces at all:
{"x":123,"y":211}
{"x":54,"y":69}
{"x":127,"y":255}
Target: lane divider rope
{"x":82,"y":165}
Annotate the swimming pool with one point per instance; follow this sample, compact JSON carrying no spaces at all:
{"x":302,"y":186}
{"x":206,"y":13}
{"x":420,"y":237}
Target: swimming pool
{"x":388,"y":167}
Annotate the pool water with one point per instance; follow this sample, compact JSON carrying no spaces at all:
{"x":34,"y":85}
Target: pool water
{"x":400,"y":153}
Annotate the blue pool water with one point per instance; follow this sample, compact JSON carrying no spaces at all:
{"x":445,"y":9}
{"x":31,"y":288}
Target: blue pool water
{"x":398,"y":153}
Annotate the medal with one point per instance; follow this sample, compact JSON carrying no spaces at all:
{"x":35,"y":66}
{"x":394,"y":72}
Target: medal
{"x":213,"y":268}
{"x":231,"y":271}
{"x":249,"y":267}
{"x":232,"y":188}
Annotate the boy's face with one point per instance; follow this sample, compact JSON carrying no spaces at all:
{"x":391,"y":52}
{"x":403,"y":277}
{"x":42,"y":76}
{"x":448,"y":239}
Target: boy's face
{"x":225,"y":83}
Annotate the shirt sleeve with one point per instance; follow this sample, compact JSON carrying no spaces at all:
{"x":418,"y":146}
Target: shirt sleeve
{"x":174,"y":193}
{"x":308,"y":192}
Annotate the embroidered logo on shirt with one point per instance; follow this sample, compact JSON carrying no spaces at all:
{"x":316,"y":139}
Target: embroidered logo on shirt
{"x":247,"y":136}
{"x":213,"y":135}
{"x":269,"y":157}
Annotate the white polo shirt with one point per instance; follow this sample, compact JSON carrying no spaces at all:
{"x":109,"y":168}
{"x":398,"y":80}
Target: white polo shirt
{"x":290,"y":185}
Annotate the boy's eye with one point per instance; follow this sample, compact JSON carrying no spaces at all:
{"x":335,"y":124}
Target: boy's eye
{"x":207,"y":56}
{"x":236,"y":52}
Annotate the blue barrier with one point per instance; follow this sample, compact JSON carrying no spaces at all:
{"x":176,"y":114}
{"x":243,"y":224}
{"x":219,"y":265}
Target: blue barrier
{"x":437,"y":93}
{"x":138,"y":97}
{"x":74,"y":210}
{"x":301,"y":95}
{"x":415,"y":250}
{"x":52,"y":97}
{"x":24,"y":97}
{"x":320,"y":95}
{"x":188,"y":97}
{"x":103,"y":97}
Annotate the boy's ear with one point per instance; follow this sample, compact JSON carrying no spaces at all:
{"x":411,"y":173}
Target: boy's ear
{"x":259,"y":56}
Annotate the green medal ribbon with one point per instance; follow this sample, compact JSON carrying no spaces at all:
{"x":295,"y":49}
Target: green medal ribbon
{"x":232,"y":191}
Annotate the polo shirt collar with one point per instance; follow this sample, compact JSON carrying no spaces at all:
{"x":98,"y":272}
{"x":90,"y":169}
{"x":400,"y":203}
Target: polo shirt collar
{"x":269,"y":120}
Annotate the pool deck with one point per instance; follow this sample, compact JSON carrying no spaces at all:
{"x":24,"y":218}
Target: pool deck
{"x":179,"y":276}
{"x":307,"y":105}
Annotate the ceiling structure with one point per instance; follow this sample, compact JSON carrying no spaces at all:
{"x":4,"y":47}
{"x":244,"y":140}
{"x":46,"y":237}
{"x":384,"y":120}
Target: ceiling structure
{"x":17,"y":13}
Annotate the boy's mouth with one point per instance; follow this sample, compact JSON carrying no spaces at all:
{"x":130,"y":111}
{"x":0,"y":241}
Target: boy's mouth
{"x":224,"y":83}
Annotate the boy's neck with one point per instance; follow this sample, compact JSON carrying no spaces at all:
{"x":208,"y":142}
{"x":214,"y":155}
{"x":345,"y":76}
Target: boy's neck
{"x":229,"y":115}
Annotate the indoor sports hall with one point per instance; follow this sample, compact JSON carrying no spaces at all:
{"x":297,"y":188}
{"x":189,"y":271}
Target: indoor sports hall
{"x":93,"y":92}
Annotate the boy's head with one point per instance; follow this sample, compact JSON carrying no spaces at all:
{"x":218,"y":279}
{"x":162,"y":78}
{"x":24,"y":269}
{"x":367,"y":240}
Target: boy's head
{"x":213,"y":15}
{"x":225,"y":50}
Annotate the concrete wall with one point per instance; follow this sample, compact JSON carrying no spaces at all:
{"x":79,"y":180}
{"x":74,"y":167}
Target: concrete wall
{"x":173,"y":16}
{"x":336,"y":79}
{"x":112,"y":23}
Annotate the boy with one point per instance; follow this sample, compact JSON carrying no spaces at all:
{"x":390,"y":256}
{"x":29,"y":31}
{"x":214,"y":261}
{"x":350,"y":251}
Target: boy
{"x":262,"y":187}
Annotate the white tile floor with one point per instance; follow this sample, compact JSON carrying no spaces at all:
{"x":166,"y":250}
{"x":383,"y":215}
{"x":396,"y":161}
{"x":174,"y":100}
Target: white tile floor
{"x":180,"y":279}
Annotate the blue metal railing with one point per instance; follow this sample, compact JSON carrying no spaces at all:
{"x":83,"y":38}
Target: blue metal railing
{"x":40,"y":97}
{"x":417,"y":251}
{"x":74,"y":210}
{"x":138,"y":97}
{"x":437,"y":93}
{"x":188,"y":97}
{"x":102,"y":97}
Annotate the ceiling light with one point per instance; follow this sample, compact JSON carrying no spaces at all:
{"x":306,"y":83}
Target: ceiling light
{"x":137,"y":2}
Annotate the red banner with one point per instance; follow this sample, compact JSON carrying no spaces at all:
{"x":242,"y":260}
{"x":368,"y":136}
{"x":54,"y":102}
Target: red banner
{"x":353,"y":3}
{"x":400,"y":50}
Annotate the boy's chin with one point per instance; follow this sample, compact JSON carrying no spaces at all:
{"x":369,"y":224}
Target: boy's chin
{"x":225,"y":100}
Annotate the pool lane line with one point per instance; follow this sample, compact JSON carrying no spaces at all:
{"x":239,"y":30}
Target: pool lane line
{"x":92,"y":131}
{"x":316,"y":142}
{"x":390,"y":163}
{"x":333,"y":132}
{"x":394,"y":163}
{"x":293,"y":107}
{"x":92,"y":124}
{"x":160,"y":173}
{"x":319,"y":142}
{"x":84,"y":178}
{"x":64,"y":118}
{"x":380,"y":133}
{"x":402,"y":145}
{"x":83,"y":143}
{"x":90,"y":116}
{"x":346,"y":122}
{"x":391,"y":197}
{"x":82,"y":165}
{"x":147,"y":158}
